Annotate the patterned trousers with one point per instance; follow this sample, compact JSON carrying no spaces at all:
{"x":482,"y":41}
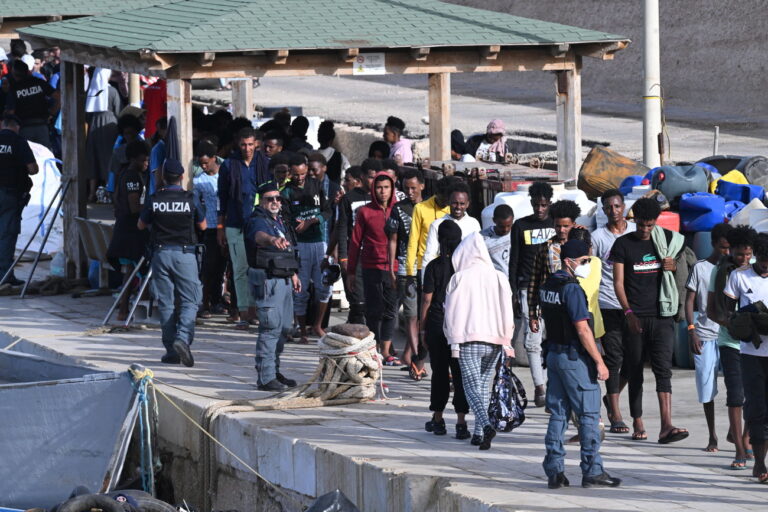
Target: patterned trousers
{"x":478,"y":366}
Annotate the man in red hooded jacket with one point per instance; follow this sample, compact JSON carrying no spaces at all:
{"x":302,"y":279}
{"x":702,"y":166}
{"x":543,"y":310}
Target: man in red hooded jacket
{"x":369,"y":245}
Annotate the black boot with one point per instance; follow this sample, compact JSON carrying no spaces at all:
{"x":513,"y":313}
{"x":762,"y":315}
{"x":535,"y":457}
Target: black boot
{"x":462,"y":432}
{"x":603,"y":480}
{"x":488,"y":434}
{"x":436,"y":427}
{"x":557,"y":481}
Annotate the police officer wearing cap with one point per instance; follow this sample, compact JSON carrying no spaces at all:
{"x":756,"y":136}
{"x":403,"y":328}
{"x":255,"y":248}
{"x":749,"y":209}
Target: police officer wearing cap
{"x":173,"y":213}
{"x":270,"y":245}
{"x":574,"y":365}
{"x":17,"y":163}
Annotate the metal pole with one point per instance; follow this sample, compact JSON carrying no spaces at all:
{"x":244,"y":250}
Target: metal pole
{"x":34,"y":234}
{"x":716,"y":147}
{"x":123,"y":291}
{"x":651,"y":86}
{"x":45,"y":238}
{"x":138,"y":298}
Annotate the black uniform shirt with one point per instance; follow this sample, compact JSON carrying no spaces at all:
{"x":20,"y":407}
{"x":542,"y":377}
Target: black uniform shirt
{"x":28,"y":98}
{"x":563,"y":303}
{"x":173,"y":213}
{"x":15,"y":155}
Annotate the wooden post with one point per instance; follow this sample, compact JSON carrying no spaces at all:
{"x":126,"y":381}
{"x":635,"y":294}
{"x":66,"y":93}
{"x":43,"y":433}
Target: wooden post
{"x":568,"y":84}
{"x":242,"y":98}
{"x":134,"y":89}
{"x":73,"y":149}
{"x":180,"y":107}
{"x":439,"y":116}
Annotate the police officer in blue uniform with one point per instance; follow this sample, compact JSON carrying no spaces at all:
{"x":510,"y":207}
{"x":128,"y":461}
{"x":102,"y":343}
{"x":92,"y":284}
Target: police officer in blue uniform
{"x":270,"y":244}
{"x":17,"y":163}
{"x":173,"y":213}
{"x":574,"y":365}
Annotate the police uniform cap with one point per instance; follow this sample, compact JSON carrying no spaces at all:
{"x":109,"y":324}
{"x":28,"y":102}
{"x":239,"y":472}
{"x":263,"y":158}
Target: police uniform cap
{"x":573,"y":249}
{"x":269,"y":186}
{"x":173,"y":167}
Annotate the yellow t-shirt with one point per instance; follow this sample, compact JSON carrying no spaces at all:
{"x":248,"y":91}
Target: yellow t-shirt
{"x":591,"y":287}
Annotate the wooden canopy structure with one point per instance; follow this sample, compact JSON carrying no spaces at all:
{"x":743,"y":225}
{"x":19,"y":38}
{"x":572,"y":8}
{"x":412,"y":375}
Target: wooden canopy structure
{"x":181,"y":40}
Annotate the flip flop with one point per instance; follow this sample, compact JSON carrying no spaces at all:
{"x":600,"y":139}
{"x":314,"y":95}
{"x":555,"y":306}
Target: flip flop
{"x":242,"y":325}
{"x":739,"y":464}
{"x":619,"y":427}
{"x":750,"y":454}
{"x":674,"y":435}
{"x":639,"y":436}
{"x":763,"y":478}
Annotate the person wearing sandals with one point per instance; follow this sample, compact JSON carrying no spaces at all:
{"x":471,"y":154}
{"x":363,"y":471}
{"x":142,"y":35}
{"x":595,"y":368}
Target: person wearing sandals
{"x":613,"y":317}
{"x":638,"y":277}
{"x":746,"y":287}
{"x":479,"y":322}
{"x":445,"y":369}
{"x":741,"y":240}
{"x":369,"y":246}
{"x":703,"y":331}
{"x":574,"y":365}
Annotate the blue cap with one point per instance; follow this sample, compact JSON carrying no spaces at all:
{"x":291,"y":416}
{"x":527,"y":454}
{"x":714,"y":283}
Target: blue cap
{"x":573,"y":249}
{"x":173,"y":167}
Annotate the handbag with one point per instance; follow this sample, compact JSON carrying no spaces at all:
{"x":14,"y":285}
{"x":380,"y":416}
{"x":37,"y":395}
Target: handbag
{"x":508,"y":400}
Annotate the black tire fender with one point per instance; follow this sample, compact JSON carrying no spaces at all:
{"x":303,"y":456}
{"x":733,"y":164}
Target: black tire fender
{"x":86,"y":502}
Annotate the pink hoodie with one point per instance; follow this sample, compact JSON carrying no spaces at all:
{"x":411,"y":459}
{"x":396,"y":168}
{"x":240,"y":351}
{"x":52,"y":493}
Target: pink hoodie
{"x":478,"y":302}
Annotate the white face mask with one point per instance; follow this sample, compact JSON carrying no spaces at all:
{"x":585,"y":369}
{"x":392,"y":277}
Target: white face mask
{"x":583,"y":271}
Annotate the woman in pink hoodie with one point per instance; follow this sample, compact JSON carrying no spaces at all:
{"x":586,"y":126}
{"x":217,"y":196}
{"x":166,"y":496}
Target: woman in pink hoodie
{"x":478,"y":324}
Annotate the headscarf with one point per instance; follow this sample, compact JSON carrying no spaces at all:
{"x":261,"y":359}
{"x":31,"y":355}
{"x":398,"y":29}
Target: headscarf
{"x":497,"y":126}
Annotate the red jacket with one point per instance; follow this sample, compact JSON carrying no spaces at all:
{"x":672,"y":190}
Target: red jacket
{"x":369,"y":243}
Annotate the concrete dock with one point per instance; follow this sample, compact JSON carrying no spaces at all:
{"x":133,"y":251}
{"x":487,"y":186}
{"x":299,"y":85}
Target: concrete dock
{"x":377,"y":453}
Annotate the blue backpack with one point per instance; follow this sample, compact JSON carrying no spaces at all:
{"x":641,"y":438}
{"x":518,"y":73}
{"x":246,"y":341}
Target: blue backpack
{"x":508,"y":401}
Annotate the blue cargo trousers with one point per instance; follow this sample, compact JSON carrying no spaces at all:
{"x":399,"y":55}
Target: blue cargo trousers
{"x":572,"y":386}
{"x":274,"y":300}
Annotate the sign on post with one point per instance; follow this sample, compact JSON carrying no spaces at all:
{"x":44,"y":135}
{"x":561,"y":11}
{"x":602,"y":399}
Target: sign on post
{"x":369,"y":64}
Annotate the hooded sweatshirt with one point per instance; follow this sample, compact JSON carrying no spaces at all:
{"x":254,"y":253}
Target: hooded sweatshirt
{"x":369,"y":243}
{"x":478,"y":301}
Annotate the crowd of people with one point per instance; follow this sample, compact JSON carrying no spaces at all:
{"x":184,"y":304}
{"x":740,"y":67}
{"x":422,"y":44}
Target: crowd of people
{"x":280,"y":222}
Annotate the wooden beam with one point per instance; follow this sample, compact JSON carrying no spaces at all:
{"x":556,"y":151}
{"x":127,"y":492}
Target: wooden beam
{"x":451,"y":60}
{"x":560,"y":50}
{"x":116,"y":60}
{"x":242,"y":98}
{"x":350,"y":54}
{"x":279,"y":56}
{"x":180,"y":108}
{"x":420,"y":53}
{"x":73,"y":149}
{"x":490,"y":52}
{"x":600,"y":51}
{"x":439,"y":117}
{"x":568,"y":105}
{"x":206,"y":59}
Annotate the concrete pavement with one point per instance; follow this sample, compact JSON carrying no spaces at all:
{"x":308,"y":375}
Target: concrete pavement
{"x":378,"y":452}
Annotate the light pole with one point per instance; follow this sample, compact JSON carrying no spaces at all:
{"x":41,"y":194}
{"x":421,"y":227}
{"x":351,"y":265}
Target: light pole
{"x":651,"y":86}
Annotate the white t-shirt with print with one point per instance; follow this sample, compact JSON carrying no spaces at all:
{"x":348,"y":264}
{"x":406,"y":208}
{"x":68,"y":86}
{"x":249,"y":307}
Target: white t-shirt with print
{"x":747,"y":287}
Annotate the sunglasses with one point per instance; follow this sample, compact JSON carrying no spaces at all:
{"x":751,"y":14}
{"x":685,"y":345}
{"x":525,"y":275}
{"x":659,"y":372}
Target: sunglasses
{"x":272,"y":199}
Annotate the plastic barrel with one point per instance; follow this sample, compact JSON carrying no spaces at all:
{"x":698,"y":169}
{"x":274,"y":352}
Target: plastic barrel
{"x":737,"y":192}
{"x":669,"y":220}
{"x":628,"y":183}
{"x":682,"y":354}
{"x":702,"y":244}
{"x":731,"y":208}
{"x":674,"y":181}
{"x":701,"y":211}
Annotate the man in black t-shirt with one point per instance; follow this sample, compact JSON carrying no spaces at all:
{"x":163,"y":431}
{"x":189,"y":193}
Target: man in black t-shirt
{"x":17,"y":163}
{"x":637,"y":278}
{"x":527,"y":235}
{"x":33,"y":101}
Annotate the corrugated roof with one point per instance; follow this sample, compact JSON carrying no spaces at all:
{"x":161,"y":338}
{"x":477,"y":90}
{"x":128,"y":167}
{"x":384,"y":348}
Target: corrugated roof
{"x":192,"y":26}
{"x":41,"y":8}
